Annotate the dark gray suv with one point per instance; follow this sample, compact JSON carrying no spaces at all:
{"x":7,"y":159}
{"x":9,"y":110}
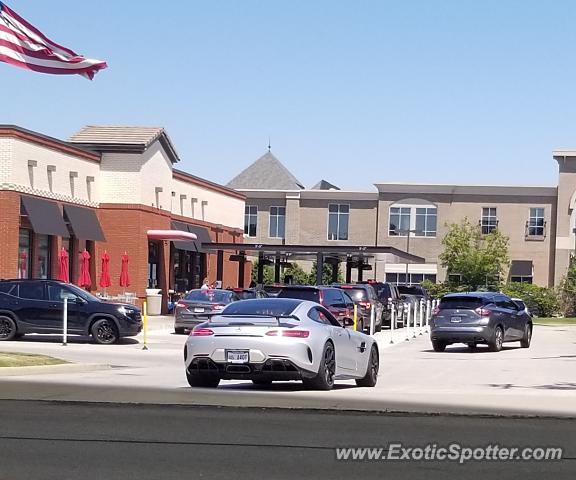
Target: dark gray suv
{"x":479,"y":317}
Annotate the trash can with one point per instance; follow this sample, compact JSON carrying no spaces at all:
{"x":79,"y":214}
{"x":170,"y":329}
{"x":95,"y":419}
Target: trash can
{"x":154,"y":301}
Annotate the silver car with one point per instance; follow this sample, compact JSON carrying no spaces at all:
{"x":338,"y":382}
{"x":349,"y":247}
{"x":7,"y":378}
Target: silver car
{"x":270,"y":339}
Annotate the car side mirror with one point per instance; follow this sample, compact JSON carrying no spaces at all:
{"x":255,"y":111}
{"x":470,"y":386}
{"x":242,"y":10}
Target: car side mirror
{"x":79,"y":301}
{"x":348,"y":322}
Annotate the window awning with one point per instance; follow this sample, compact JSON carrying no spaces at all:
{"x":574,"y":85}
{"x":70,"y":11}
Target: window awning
{"x":521,"y":268}
{"x":202,"y":235}
{"x":188,"y":245}
{"x":45,"y":217}
{"x":84,"y":223}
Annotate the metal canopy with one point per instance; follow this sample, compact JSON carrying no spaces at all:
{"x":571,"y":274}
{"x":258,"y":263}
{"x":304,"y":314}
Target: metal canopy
{"x":84,"y":223}
{"x":341,"y":252}
{"x":45,"y":217}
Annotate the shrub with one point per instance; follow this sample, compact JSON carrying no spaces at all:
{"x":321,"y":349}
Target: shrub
{"x":541,"y":301}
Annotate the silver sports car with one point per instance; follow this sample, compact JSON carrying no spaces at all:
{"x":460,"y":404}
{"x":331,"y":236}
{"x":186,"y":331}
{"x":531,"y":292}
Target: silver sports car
{"x":279,"y":339}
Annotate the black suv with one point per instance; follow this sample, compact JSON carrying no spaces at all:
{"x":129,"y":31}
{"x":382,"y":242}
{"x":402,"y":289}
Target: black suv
{"x":36,"y":306}
{"x":365,"y":297}
{"x":388,"y":295}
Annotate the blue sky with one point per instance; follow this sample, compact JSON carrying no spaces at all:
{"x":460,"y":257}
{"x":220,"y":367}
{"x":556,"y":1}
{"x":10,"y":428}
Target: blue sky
{"x":355,"y":92}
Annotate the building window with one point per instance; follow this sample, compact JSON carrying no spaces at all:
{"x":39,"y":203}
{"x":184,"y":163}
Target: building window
{"x":455,"y":278}
{"x":489,"y":220}
{"x":413,"y":278}
{"x":536,"y":222}
{"x":521,"y":279}
{"x":250,"y":220}
{"x":416,"y":220}
{"x":399,"y":221}
{"x":43,"y":256}
{"x":277,"y":222}
{"x":338,"y":216}
{"x":24,"y":253}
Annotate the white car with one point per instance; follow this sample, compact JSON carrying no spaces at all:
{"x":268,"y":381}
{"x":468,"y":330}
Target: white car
{"x":270,"y":339}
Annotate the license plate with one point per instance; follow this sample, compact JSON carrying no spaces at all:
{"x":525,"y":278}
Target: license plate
{"x":456,"y":319}
{"x":237,"y":356}
{"x":198,"y":310}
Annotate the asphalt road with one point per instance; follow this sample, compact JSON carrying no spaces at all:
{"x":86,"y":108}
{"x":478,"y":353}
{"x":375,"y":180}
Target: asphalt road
{"x":46,"y":440}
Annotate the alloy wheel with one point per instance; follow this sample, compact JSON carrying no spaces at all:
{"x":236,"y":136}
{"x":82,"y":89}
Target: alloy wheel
{"x":374,"y":363}
{"x":498,"y":339}
{"x":329,"y":365}
{"x":106,"y":332}
{"x":5,"y":328}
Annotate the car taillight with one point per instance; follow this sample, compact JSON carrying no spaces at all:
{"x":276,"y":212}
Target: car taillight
{"x":365,"y":304}
{"x":181,"y":305}
{"x":289,"y":333}
{"x":483,"y":312}
{"x":218,"y":307}
{"x":436,"y":311}
{"x":201,"y":332}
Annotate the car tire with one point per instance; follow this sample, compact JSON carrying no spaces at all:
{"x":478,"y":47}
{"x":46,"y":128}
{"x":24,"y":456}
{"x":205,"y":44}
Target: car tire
{"x":105,"y":332}
{"x":203,"y":380}
{"x":371,"y":377}
{"x":8,"y":329}
{"x":438,"y":346}
{"x":527,"y":338}
{"x":261,"y":383}
{"x":324,"y":379}
{"x":179,"y":331}
{"x":495,"y":345}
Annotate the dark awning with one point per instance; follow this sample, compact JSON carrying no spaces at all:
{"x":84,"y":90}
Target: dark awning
{"x":202,"y":234}
{"x":45,"y":217}
{"x":521,"y":268}
{"x":84,"y":223}
{"x":191,"y":245}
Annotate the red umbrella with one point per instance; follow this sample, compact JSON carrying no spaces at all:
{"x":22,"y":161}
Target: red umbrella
{"x":124,"y":276}
{"x":63,"y":275}
{"x":84,"y":279}
{"x":105,"y":275}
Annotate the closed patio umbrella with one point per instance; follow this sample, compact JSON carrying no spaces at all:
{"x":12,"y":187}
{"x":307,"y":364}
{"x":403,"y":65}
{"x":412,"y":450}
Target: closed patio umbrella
{"x":84,"y":279}
{"x":105,"y":274}
{"x":124,"y":275}
{"x":63,"y":274}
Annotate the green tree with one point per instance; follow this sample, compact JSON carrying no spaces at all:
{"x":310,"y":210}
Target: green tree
{"x":326,"y":274}
{"x":479,"y":259}
{"x":299,"y":276}
{"x":567,"y":290}
{"x":268,"y":273}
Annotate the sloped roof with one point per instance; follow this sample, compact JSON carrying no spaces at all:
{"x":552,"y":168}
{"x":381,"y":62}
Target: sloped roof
{"x":325,"y":185}
{"x":266,"y":173}
{"x":119,"y":138}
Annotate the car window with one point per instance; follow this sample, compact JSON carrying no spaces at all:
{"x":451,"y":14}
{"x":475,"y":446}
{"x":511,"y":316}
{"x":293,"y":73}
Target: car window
{"x":347,"y":300}
{"x":57,"y":293}
{"x":464,"y":303}
{"x":7,"y":287}
{"x":301,"y":293}
{"x":31,"y":290}
{"x":326,"y":315}
{"x":262,"y":306}
{"x":331,"y":297}
{"x":357,"y":294}
{"x":315,"y":315}
{"x":210,"y":295}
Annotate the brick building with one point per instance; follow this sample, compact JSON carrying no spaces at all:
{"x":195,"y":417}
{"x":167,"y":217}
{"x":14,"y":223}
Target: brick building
{"x":102,"y":190}
{"x":540,"y":221}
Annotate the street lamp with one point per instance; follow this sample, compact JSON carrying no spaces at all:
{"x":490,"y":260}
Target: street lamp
{"x":407,"y":232}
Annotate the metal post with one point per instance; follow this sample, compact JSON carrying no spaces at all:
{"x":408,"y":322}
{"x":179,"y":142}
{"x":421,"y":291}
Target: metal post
{"x":277,"y":270}
{"x":392,"y":322}
{"x":145,"y":325}
{"x":65,"y":323}
{"x":428,"y":311}
{"x":241,"y":265}
{"x":361,"y":271}
{"x":260,"y":273}
{"x":348,"y":271}
{"x":355,"y":317}
{"x":372,"y":321}
{"x":421,"y":314}
{"x":319,"y":268}
{"x":414,"y":315}
{"x":220,"y":265}
{"x":407,"y":251}
{"x":407,"y":307}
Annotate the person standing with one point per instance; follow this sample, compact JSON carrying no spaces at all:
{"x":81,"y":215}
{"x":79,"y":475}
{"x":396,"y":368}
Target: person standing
{"x":205,"y":285}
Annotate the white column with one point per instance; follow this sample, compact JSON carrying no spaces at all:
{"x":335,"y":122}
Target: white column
{"x":407,"y":326}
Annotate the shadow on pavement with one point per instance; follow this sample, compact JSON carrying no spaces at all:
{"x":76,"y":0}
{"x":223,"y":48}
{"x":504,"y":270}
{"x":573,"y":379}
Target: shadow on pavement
{"x":277,"y":387}
{"x":555,"y":386}
{"x":72,"y":340}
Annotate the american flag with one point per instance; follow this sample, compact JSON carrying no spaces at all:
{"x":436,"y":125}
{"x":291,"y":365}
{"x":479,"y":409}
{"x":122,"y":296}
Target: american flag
{"x":24,"y":46}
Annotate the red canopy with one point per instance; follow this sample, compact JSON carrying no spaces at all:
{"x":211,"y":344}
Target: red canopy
{"x":105,"y":274}
{"x":84,"y":279}
{"x":124,"y":275}
{"x":63,"y":274}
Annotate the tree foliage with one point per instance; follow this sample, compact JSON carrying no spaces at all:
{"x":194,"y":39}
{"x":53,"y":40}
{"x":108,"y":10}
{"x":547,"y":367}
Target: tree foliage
{"x":480,"y":259}
{"x":567,"y":290}
{"x":295,"y":271}
{"x":326,"y":274}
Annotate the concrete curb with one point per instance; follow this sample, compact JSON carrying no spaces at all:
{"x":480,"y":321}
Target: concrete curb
{"x":49,"y":369}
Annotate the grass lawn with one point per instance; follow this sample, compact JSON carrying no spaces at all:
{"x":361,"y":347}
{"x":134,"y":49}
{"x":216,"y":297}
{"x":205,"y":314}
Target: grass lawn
{"x":26,"y":360}
{"x":554,"y":321}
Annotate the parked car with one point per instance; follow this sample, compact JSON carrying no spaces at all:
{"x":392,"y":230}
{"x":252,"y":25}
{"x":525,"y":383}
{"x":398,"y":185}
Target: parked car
{"x":337,"y":302}
{"x":270,"y":339}
{"x":272,"y":290}
{"x":199,"y":305}
{"x":389,"y":296}
{"x":479,"y":317}
{"x":36,"y":306}
{"x":365,"y":297}
{"x":417,"y":291}
{"x":248,"y":293}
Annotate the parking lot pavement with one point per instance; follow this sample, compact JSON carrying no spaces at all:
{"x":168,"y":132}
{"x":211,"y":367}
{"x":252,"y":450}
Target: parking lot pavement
{"x":413,"y":377}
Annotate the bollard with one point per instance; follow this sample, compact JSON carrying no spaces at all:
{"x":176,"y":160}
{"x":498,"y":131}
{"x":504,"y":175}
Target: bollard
{"x":65,"y":323}
{"x":414,"y":318}
{"x":392,"y":322}
{"x":145,"y":326}
{"x":420,"y":315}
{"x":355,"y":317}
{"x":428,"y":313}
{"x":372,"y":320}
{"x":407,"y":320}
